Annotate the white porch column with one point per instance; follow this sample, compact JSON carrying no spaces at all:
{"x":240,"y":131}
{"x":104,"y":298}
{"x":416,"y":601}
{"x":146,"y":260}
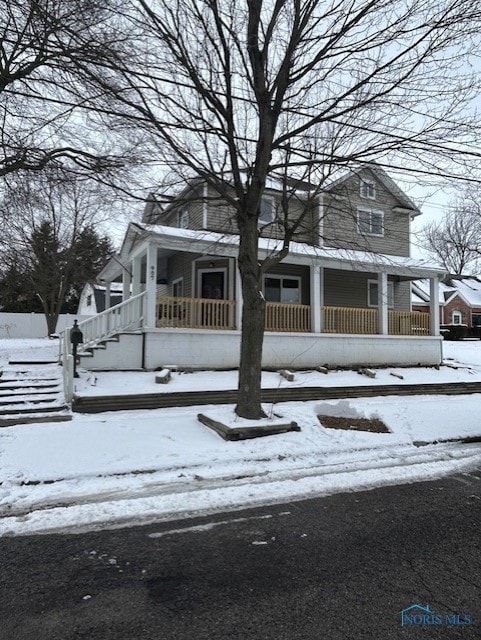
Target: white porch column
{"x":108,"y":302}
{"x":315,"y":298}
{"x":238,"y":298}
{"x":382,"y":301}
{"x":126,"y":283}
{"x":136,"y":275}
{"x":434,"y":305}
{"x":151,"y":286}
{"x":322,"y":297}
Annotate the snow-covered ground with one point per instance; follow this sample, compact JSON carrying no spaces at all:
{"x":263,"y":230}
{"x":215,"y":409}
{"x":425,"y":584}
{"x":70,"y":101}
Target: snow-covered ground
{"x":130,"y":467}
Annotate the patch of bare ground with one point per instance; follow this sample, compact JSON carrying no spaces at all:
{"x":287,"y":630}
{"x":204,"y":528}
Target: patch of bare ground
{"x":373,"y":425}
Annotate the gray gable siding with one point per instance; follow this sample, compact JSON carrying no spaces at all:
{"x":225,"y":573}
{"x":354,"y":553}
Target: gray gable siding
{"x":180,"y":266}
{"x":339,"y":220}
{"x":221,"y":218}
{"x":349,"y":289}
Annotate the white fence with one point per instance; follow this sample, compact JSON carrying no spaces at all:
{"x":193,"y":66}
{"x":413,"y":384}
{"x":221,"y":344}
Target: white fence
{"x":32,"y":325}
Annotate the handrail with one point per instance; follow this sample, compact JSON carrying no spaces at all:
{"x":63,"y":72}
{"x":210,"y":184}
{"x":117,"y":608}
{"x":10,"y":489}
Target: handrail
{"x":128,"y":314}
{"x":125,"y":315}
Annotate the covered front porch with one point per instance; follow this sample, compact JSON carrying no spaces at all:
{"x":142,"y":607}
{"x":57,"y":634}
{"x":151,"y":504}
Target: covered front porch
{"x":182,"y":293}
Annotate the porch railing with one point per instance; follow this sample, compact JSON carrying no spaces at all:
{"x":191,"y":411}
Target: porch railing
{"x":408,"y":323}
{"x":195,"y":313}
{"x":349,"y":320}
{"x":288,"y":317}
{"x":204,"y":313}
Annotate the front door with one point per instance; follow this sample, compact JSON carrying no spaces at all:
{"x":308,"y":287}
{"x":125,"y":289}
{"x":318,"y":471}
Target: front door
{"x":212,"y":285}
{"x":212,"y":288}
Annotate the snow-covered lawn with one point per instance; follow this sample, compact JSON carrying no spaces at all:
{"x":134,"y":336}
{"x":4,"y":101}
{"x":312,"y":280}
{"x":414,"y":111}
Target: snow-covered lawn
{"x":135,"y":466}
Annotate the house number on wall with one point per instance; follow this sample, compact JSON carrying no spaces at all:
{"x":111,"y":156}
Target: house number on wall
{"x":152,"y":272}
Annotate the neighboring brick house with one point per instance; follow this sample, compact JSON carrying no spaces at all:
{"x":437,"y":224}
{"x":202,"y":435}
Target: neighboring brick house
{"x":459,"y":301}
{"x":342,"y":295}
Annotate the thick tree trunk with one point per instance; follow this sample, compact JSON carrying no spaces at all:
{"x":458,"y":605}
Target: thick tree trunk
{"x":52,"y":320}
{"x":253,"y":320}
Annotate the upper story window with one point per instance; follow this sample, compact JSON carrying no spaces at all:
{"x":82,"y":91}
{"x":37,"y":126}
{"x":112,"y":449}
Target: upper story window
{"x":183,"y":218}
{"x":267,"y":209}
{"x":370,"y":222}
{"x":373,"y":293}
{"x":89,"y":300}
{"x":368,"y":189}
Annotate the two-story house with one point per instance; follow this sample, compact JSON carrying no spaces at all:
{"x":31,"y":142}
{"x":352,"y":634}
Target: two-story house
{"x":341,"y":296}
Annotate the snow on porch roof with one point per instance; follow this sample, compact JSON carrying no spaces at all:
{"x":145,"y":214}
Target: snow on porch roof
{"x":213,"y":243}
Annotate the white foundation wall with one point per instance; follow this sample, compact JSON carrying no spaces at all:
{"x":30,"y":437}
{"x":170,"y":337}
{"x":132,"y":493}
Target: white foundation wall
{"x":122,"y":355}
{"x":220,"y":349}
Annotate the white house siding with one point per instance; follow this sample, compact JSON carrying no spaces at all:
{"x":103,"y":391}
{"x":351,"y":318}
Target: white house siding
{"x":220,"y":350}
{"x":340,"y":218}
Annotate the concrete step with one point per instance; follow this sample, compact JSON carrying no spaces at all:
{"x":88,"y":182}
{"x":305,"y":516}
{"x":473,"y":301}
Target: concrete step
{"x":33,"y":418}
{"x":96,"y":404}
{"x":32,"y":362}
{"x":26,"y":407}
{"x":22,"y":391}
{"x":32,"y":395}
{"x":24,"y":386}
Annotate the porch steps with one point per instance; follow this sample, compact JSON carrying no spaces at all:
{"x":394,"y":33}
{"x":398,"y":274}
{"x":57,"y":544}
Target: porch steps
{"x":32,"y":394}
{"x":88,"y":351}
{"x":97,"y":404}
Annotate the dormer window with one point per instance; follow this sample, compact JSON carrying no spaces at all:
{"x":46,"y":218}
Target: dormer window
{"x":267,"y":210}
{"x":368,"y":189}
{"x":183,"y":218}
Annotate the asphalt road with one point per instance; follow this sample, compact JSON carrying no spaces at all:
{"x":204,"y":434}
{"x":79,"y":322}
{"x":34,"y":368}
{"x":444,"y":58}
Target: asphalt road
{"x":340,"y":567}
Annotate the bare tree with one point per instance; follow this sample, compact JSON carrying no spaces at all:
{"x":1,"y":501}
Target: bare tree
{"x":43,"y":88}
{"x":455,"y":241}
{"x":240,"y":92}
{"x":54,"y":238}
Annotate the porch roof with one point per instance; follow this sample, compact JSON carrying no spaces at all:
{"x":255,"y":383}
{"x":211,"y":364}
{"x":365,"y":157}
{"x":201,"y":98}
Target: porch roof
{"x":173,"y":239}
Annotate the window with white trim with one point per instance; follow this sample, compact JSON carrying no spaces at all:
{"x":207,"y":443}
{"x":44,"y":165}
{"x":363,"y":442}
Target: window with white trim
{"x":476,"y":319}
{"x":266,"y":214}
{"x":368,"y":189}
{"x":372,"y":293}
{"x":457,"y":317}
{"x":370,"y":222}
{"x":183,"y":218}
{"x":285,"y":289}
{"x":178,"y":288}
